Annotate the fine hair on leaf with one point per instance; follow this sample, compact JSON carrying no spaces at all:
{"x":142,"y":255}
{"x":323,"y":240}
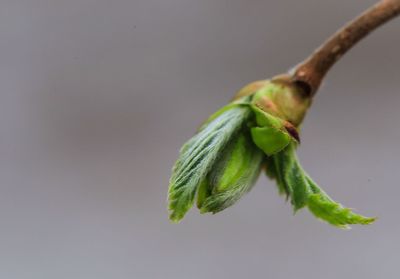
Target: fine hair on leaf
{"x":197,"y":157}
{"x":234,"y":174}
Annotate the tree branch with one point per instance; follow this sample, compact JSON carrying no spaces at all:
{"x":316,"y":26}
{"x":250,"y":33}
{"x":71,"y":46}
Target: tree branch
{"x":309,"y":74}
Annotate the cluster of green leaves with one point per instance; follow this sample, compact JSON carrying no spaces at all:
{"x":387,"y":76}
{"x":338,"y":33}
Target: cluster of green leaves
{"x":223,"y":160}
{"x":195,"y":166}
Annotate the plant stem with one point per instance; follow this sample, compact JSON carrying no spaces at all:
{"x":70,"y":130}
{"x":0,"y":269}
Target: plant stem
{"x":309,"y":74}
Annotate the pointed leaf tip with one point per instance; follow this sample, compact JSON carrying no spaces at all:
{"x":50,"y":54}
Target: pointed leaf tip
{"x":334,"y":213}
{"x":295,"y":182}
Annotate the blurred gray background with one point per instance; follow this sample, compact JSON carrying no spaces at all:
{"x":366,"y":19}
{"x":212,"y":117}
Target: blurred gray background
{"x":98,"y":96}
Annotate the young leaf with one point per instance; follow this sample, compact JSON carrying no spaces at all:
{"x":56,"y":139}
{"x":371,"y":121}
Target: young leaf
{"x":272,"y":173}
{"x":234,"y":173}
{"x":204,"y":192}
{"x":264,"y":119}
{"x":241,"y":102}
{"x":323,"y":207}
{"x":270,"y":140}
{"x":271,"y":134}
{"x":291,"y":177}
{"x":303,"y":191}
{"x":197,"y":157}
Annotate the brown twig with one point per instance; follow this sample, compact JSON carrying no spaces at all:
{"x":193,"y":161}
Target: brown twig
{"x":309,"y":74}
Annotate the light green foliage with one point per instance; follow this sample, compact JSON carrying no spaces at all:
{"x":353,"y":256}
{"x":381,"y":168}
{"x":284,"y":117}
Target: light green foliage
{"x":198,"y":156}
{"x":203,"y":192}
{"x":270,"y":134}
{"x":334,"y":213}
{"x":270,"y":140}
{"x":234,"y":174}
{"x":223,"y":160}
{"x":323,"y":207}
{"x":242,"y":102}
{"x":264,"y":119}
{"x":291,"y":177}
{"x":303,"y":191}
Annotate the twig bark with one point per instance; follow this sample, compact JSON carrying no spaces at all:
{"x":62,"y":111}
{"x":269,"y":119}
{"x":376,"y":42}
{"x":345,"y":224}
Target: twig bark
{"x":309,"y":74}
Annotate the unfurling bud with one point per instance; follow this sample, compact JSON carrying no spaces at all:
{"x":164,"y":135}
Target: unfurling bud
{"x":223,"y":160}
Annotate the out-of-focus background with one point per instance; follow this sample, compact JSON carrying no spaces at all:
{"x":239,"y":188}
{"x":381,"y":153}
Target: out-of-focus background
{"x":97,"y":97}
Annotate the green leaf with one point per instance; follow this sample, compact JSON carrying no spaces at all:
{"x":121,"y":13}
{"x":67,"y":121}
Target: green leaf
{"x":323,"y":207}
{"x":264,"y":119}
{"x":272,"y":173}
{"x":303,"y":191}
{"x":197,"y":157}
{"x":271,"y":134}
{"x":234,"y":173}
{"x":241,"y":102}
{"x":204,"y":192}
{"x":270,"y":140}
{"x":291,"y":177}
